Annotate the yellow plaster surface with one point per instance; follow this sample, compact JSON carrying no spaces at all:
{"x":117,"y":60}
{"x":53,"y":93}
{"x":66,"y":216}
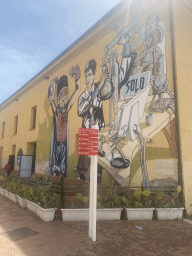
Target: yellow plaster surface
{"x":152,"y":173}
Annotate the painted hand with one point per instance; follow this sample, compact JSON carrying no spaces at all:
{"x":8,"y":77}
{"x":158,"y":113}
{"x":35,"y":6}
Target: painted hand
{"x":52,"y":88}
{"x":75,"y":72}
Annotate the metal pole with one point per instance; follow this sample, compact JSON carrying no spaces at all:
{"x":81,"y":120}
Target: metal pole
{"x":93,"y":196}
{"x":94,"y":159}
{"x":91,"y":201}
{"x":111,"y":99}
{"x":175,"y":86}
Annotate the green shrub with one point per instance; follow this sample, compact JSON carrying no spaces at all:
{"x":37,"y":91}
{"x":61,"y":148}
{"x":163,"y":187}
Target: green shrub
{"x":24,"y":193}
{"x":138,"y":200}
{"x":48,"y":201}
{"x":113,"y":200}
{"x":83,"y":201}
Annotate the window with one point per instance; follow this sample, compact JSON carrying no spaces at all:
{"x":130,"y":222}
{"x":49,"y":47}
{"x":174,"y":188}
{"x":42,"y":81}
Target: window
{"x":15,"y":125}
{"x":33,"y":117}
{"x":3,"y":130}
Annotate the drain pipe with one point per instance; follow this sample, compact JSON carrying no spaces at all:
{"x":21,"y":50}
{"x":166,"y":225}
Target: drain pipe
{"x":178,"y":140}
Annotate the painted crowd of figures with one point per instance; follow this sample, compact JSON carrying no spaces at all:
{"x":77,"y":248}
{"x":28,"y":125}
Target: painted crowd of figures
{"x":90,"y":108}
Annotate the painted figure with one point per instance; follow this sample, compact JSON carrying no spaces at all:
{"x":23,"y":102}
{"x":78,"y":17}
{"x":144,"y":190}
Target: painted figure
{"x":59,"y":140}
{"x":90,"y":106}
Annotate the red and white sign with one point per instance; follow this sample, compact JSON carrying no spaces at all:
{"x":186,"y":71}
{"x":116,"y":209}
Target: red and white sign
{"x":89,"y":139}
{"x":88,"y":135}
{"x":88,"y":142}
{"x":87,"y":130}
{"x":87,"y":148}
{"x":91,"y":144}
{"x":88,"y":153}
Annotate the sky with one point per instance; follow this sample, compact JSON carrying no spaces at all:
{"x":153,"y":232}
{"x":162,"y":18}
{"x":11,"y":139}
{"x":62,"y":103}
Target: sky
{"x":34,"y":32}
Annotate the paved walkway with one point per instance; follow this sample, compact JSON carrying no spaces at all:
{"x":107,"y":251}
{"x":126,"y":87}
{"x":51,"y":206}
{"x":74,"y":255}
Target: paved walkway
{"x":23,"y":233}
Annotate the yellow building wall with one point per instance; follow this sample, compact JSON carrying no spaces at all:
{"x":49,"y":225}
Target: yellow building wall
{"x":182,"y":14}
{"x":90,"y":47}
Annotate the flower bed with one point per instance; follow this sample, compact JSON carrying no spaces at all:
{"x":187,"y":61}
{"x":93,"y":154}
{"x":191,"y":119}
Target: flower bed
{"x":2,"y":191}
{"x":13,"y":197}
{"x":83,"y":214}
{"x":169,"y":213}
{"x":22,"y":202}
{"x":109,"y":199}
{"x":139,"y":213}
{"x":31,"y":206}
{"x":45,"y":214}
{"x":7,"y":194}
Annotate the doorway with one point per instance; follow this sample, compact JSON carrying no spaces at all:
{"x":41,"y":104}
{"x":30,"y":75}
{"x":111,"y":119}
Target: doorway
{"x":12,"y":161}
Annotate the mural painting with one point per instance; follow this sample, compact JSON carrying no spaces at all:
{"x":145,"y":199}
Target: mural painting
{"x":137,"y":114}
{"x":59,"y":139}
{"x":140,"y":104}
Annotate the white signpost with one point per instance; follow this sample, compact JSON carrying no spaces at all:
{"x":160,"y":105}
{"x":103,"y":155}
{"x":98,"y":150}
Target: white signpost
{"x":90,"y":136}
